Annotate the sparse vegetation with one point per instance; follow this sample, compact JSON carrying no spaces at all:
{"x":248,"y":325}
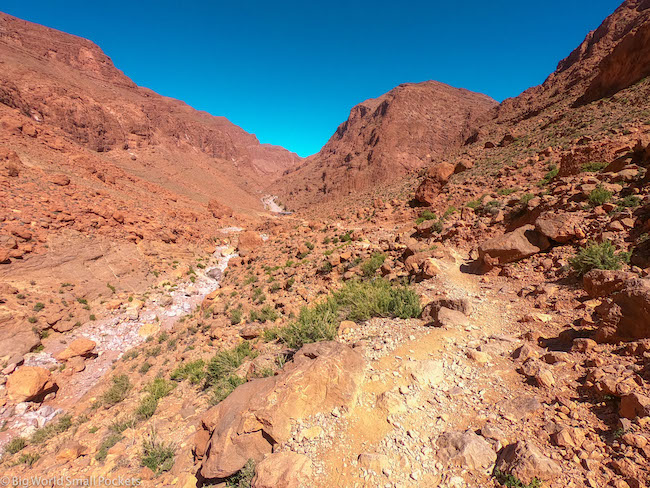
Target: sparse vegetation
{"x":157,"y":389}
{"x":62,"y":424}
{"x":370,"y":267}
{"x":242,"y":478}
{"x":355,"y":301}
{"x":220,"y":371}
{"x":193,"y":371}
{"x":117,"y":391}
{"x":599,"y":195}
{"x":15,"y":445}
{"x":593,"y":167}
{"x":236,"y":315}
{"x":156,"y":455}
{"x":553,"y":171}
{"x":511,"y":481}
{"x":597,"y":256}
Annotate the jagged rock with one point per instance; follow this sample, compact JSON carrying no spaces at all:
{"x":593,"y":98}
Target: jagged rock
{"x":525,"y":461}
{"x":626,"y":314}
{"x":634,"y":405}
{"x":436,"y":177}
{"x":513,"y":246}
{"x":283,"y":470}
{"x":29,"y":383}
{"x":562,"y":228}
{"x":446,"y":312}
{"x":466,"y":450}
{"x":258,"y":414}
{"x":603,"y":282}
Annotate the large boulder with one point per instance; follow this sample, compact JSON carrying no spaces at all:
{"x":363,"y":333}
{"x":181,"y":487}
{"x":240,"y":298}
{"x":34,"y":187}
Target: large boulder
{"x":625,"y":315}
{"x":526,"y":462}
{"x":249,"y":241}
{"x":436,"y":177}
{"x":466,"y":450}
{"x":561,"y":228}
{"x":81,"y":347}
{"x":219,"y":210}
{"x":258,"y":414}
{"x":283,"y":470}
{"x":604,"y":282}
{"x":513,"y":246}
{"x":29,"y":383}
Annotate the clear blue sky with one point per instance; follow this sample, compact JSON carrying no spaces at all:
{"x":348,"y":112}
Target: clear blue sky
{"x":289,"y":71}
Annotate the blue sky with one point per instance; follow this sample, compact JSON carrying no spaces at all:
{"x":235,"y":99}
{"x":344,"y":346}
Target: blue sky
{"x":289,"y":71}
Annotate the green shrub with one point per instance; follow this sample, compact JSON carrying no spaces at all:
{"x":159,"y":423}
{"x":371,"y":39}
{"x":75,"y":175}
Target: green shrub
{"x":194,"y":371}
{"x":224,"y":387}
{"x":243,"y":477}
{"x":370,"y":267}
{"x":597,"y":256}
{"x":525,"y":198}
{"x":629,"y":201}
{"x":506,"y":191}
{"x":355,"y":301}
{"x":599,"y":195}
{"x":224,"y":363}
{"x":426,"y":215}
{"x":144,"y":368}
{"x":38,"y":307}
{"x":120,"y":426}
{"x":16,"y":444}
{"x":118,"y":390}
{"x":106,"y":444}
{"x":511,"y":481}
{"x":266,"y":313}
{"x":326,"y":268}
{"x":157,"y":389}
{"x":156,"y":455}
{"x":236,"y":315}
{"x":29,"y":459}
{"x":553,"y":171}
{"x":62,"y":424}
{"x":593,"y":167}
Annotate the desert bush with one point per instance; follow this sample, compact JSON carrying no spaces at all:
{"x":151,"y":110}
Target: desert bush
{"x":370,"y":267}
{"x":597,"y":256}
{"x":599,"y":195}
{"x":117,"y":391}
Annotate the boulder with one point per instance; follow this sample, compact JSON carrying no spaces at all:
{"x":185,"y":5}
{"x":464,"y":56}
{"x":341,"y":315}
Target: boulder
{"x":603,"y":283}
{"x":513,"y":246}
{"x":625,"y":315}
{"x":219,"y":210}
{"x":249,"y":241}
{"x":258,"y":414}
{"x":466,"y":450}
{"x":436,"y":177}
{"x":17,"y":341}
{"x":525,"y":461}
{"x":446,"y":311}
{"x":561,"y":228}
{"x":283,"y":470}
{"x":634,"y":405}
{"x":29,"y":383}
{"x":81,"y":347}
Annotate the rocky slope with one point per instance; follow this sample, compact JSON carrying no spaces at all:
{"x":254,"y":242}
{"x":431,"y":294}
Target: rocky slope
{"x":386,"y":138}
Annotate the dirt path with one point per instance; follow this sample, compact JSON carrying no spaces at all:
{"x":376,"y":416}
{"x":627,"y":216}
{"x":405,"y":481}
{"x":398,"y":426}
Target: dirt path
{"x":437,"y":380}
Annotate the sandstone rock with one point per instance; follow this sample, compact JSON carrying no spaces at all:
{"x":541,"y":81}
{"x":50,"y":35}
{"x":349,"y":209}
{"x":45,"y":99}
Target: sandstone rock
{"x":70,"y":451}
{"x":446,"y":312}
{"x":427,"y":373}
{"x":626,"y":314}
{"x":29,"y":383}
{"x":467,"y":450}
{"x":258,"y":414}
{"x":562,"y":228}
{"x":525,"y":461}
{"x":436,"y":177}
{"x":219,"y":210}
{"x":81,"y":347}
{"x":634,"y":405}
{"x":249,"y":241}
{"x":603,"y":283}
{"x":283,"y":470}
{"x":60,"y":179}
{"x":513,"y":246}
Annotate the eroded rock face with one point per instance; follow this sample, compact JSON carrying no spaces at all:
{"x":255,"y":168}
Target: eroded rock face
{"x":436,"y":177}
{"x":513,"y":246}
{"x":29,"y":383}
{"x":283,"y":470}
{"x":258,"y":414}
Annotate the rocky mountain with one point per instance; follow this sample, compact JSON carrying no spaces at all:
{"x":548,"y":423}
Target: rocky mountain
{"x":68,"y":83}
{"x":386,"y":138}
